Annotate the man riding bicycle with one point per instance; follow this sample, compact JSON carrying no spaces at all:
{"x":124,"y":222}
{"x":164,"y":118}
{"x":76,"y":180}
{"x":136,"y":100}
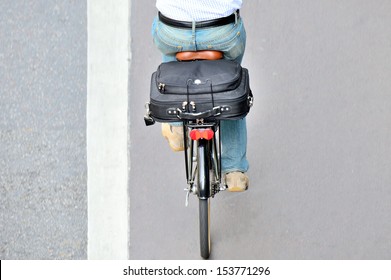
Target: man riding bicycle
{"x":195,"y":25}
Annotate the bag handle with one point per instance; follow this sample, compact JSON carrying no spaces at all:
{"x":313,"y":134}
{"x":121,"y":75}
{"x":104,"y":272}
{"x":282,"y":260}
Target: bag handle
{"x":216,"y":111}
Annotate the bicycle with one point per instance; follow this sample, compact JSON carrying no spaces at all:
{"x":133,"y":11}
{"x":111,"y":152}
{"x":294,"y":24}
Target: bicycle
{"x":202,"y":149}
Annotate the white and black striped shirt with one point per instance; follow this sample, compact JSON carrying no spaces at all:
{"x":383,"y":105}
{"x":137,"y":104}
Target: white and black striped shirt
{"x":197,"y":10}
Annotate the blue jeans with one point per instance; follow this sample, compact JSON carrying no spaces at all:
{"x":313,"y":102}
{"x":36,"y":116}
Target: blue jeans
{"x":230,"y":39}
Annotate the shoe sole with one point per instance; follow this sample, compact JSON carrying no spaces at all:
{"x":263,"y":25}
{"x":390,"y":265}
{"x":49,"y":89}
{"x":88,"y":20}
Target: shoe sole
{"x":237,"y":189}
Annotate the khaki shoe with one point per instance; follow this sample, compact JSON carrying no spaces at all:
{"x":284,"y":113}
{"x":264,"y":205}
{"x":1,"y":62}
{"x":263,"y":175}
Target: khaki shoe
{"x":174,"y":136}
{"x":236,"y":181}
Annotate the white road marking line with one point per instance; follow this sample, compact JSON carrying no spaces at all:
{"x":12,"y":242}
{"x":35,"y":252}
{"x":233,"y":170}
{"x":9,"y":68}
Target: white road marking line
{"x":107,"y":128}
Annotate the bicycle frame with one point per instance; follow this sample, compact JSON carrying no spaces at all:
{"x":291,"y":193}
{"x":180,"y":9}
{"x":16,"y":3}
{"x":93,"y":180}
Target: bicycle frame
{"x":212,"y":148}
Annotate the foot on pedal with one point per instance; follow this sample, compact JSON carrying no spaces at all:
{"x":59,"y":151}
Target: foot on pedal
{"x":236,"y":181}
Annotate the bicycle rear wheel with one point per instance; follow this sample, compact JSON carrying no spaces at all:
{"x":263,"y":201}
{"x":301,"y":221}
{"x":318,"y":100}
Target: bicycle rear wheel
{"x":203,"y":180}
{"x":204,"y":227}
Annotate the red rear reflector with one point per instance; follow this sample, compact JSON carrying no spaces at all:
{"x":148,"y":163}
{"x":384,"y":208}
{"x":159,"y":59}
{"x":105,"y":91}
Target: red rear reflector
{"x":208,"y":134}
{"x":197,"y":134}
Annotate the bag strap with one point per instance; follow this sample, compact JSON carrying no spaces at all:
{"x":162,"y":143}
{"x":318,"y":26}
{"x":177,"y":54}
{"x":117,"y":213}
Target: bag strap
{"x":188,"y":93}
{"x":212,"y":93}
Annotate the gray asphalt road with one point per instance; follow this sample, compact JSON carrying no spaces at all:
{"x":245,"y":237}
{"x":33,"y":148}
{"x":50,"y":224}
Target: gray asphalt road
{"x":319,"y":139}
{"x":43,"y":203}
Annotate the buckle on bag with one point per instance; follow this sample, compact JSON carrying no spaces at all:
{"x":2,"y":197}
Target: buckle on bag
{"x":147,"y":117}
{"x":250,"y":100}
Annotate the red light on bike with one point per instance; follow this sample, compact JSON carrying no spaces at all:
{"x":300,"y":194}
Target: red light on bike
{"x":197,"y":134}
{"x":208,"y":134}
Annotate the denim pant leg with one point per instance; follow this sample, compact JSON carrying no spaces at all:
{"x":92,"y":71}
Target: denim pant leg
{"x":231,"y":39}
{"x":233,"y":145}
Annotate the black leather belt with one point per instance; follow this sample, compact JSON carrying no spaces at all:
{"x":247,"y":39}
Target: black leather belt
{"x":199,"y":24}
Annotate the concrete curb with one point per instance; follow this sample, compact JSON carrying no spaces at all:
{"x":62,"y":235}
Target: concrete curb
{"x":107,"y":128}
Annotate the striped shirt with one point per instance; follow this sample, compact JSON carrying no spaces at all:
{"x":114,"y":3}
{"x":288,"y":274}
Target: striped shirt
{"x":197,"y":10}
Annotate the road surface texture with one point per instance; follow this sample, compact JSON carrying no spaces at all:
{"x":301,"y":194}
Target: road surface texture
{"x":319,"y":141}
{"x":43,"y":182}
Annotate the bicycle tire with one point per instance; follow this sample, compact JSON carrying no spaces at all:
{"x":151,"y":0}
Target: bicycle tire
{"x":204,"y":206}
{"x":204,"y":201}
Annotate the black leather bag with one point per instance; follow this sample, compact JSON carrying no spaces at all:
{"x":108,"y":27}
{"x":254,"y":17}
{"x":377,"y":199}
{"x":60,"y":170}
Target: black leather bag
{"x":207,"y":89}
